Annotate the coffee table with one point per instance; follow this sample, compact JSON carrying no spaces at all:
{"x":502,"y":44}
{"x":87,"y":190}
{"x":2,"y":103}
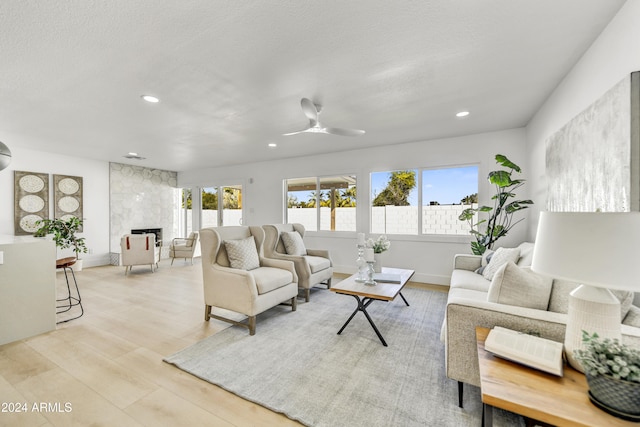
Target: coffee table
{"x":366,"y":294}
{"x":537,"y":395}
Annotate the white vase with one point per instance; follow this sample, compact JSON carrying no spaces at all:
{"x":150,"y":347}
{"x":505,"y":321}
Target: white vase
{"x":379,"y":261}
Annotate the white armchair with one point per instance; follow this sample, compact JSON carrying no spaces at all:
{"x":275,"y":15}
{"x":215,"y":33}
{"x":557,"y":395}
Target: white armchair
{"x":237,"y":277}
{"x":183,"y":248}
{"x":139,"y":249}
{"x":313,"y":266}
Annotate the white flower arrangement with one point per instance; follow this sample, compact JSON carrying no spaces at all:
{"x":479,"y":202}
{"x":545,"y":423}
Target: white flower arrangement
{"x":380,"y":244}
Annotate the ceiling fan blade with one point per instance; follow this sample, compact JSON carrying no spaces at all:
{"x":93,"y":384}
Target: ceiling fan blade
{"x":309,"y":109}
{"x":296,"y":132}
{"x":344,"y":132}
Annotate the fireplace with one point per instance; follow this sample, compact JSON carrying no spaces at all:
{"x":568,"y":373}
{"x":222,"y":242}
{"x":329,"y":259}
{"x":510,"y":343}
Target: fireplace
{"x":156,"y":231}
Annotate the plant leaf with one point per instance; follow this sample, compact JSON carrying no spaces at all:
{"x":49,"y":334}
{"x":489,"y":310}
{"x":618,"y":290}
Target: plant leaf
{"x":502,"y":160}
{"x":500,"y":178}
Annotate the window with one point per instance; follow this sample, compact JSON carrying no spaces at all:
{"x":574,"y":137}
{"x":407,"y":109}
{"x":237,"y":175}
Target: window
{"x":186,"y":212}
{"x":442,"y":193}
{"x":327,"y":203}
{"x":221,"y":206}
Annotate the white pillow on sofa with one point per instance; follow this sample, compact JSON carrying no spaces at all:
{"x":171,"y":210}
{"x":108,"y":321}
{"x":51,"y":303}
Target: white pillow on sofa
{"x":513,"y":285}
{"x":500,"y":258}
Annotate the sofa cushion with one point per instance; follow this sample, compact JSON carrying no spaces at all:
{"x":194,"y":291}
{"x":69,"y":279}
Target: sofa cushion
{"x":500,"y":258}
{"x":559,"y":301}
{"x":520,"y":286}
{"x":526,"y":254}
{"x":242,"y":253}
{"x":317,"y":263}
{"x":466,"y":279}
{"x":633,"y":317}
{"x":269,"y":278}
{"x":293,"y":243}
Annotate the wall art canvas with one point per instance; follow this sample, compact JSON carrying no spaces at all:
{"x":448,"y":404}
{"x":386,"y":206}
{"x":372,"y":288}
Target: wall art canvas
{"x":592,"y":163}
{"x":67,"y":197}
{"x":31,"y":201}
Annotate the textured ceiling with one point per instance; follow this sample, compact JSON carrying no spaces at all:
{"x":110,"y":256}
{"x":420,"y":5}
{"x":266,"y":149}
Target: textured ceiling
{"x":230,"y":74}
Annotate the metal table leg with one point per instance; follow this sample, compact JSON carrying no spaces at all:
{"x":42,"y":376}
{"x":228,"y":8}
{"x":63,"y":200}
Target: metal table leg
{"x":362,"y":306}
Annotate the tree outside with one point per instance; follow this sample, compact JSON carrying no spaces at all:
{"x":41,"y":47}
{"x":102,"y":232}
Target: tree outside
{"x":398,"y":188}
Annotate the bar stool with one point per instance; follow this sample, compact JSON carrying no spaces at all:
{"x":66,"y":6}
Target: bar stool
{"x":69,"y":301}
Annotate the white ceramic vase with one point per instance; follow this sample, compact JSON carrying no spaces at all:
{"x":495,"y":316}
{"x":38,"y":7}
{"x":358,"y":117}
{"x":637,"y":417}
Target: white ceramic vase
{"x":379,"y":261}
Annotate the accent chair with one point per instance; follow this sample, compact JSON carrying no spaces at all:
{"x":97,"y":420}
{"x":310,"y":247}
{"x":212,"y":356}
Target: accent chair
{"x":237,"y":277}
{"x":313,"y":266}
{"x":183,"y":247}
{"x":139,"y":249}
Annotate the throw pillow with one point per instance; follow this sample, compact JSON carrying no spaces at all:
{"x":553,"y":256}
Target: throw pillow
{"x":526,"y":254}
{"x":500,"y":258}
{"x":520,"y":286}
{"x":486,"y":257}
{"x":242,"y":253}
{"x":633,"y":317}
{"x":559,"y":301}
{"x":293,"y":243}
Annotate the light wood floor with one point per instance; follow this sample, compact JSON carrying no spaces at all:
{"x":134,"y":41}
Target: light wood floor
{"x":106,"y":368}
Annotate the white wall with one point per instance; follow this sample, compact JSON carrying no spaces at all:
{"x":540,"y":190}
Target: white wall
{"x":615,"y":54}
{"x":95,"y":176}
{"x":430,"y":257}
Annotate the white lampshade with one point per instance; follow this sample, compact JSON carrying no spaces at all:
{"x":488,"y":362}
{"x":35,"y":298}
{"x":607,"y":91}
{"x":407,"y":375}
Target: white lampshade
{"x":600,"y":251}
{"x":593,"y":248}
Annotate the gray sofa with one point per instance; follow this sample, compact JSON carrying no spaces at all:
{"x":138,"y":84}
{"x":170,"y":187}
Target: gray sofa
{"x":468,"y":306}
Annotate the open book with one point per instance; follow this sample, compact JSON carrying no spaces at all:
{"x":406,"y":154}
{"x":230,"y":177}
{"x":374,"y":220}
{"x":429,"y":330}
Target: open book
{"x":536,"y":352}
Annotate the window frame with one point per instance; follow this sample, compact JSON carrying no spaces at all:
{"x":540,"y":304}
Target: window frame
{"x":421,"y":235}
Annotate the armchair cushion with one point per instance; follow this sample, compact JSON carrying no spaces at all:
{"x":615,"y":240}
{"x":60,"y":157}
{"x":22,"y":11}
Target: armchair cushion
{"x":293,"y":243}
{"x":518,"y":286}
{"x":317,"y":263}
{"x":242,"y":253}
{"x":268,"y":278}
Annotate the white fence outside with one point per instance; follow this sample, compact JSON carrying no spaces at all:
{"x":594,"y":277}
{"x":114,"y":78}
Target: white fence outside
{"x":440,"y":219}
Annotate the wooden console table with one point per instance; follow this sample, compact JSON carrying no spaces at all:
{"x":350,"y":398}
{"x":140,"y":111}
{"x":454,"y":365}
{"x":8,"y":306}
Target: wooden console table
{"x":560,"y":401}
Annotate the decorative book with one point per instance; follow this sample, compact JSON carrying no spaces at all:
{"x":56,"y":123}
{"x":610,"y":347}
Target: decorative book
{"x":536,"y":352}
{"x":387,"y":278}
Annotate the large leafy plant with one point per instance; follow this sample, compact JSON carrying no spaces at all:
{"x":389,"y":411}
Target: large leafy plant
{"x":488,"y":230}
{"x":64,"y":233}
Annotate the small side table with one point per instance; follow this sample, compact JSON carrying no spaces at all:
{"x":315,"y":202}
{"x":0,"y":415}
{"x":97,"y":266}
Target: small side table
{"x":537,"y":395}
{"x":70,"y":300}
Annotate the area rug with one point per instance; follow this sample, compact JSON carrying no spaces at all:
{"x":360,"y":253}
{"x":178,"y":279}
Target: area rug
{"x":296,"y":364}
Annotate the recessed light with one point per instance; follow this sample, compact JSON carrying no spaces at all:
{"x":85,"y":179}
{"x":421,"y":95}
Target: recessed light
{"x":133,"y":154}
{"x":150,"y":98}
{"x":462,"y":114}
{"x":272,"y":145}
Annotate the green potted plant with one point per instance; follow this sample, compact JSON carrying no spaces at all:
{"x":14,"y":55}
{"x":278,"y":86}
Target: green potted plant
{"x":487,"y":231}
{"x":64,"y":234}
{"x":613,"y":374}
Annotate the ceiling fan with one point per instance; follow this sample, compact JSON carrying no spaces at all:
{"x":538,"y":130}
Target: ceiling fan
{"x":312,"y":111}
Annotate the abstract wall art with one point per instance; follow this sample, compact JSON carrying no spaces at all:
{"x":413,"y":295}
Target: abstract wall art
{"x":31,"y":201}
{"x":593,"y":162}
{"x":67,"y":197}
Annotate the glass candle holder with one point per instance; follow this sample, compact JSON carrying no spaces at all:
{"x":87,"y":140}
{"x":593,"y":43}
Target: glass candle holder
{"x":361,"y":264}
{"x":369,"y":281}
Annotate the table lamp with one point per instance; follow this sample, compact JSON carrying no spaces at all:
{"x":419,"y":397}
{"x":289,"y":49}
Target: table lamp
{"x":600,"y":251}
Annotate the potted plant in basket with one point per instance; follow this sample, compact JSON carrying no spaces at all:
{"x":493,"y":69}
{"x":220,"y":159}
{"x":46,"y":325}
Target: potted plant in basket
{"x":64,"y":234}
{"x":613,"y":374}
